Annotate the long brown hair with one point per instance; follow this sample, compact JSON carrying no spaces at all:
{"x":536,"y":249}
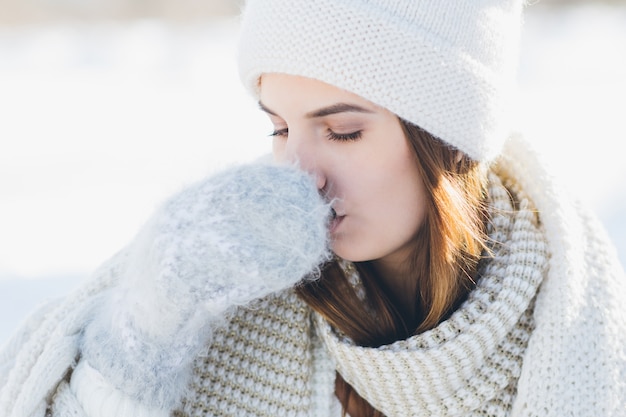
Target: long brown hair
{"x":448,"y":247}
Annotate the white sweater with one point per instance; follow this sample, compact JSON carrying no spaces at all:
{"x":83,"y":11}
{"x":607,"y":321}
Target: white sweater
{"x":573,"y":364}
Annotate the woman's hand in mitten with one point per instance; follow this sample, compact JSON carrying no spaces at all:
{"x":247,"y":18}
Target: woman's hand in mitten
{"x":239,"y":235}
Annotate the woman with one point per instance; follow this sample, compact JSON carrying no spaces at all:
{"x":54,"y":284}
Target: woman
{"x":460,"y":279}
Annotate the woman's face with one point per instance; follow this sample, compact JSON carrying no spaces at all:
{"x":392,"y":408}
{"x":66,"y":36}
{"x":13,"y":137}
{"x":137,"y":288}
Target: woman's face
{"x":361,"y":159}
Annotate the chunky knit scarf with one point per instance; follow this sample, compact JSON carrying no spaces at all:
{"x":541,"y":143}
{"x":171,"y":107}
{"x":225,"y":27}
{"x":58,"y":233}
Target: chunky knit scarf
{"x":261,"y":363}
{"x":469,"y":364}
{"x":509,"y":349}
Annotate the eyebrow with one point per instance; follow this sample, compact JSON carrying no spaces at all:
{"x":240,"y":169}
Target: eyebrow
{"x":325,"y":111}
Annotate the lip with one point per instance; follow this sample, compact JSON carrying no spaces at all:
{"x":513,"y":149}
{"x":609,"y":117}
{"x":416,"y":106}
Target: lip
{"x":335,"y":223}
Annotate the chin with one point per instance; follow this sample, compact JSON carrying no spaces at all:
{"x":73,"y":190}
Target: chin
{"x":350,"y":252}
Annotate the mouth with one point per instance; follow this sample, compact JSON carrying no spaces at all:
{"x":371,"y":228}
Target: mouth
{"x":335,"y":220}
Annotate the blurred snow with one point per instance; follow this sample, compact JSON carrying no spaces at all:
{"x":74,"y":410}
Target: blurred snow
{"x":101,"y":122}
{"x":573,"y":95}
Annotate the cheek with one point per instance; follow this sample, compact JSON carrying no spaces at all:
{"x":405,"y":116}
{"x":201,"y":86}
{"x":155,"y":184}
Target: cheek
{"x":402,"y":204}
{"x":388,"y":209}
{"x":403,"y":196}
{"x":400,"y":189}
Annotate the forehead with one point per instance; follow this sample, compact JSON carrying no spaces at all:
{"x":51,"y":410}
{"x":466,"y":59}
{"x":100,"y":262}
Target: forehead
{"x":284,"y":92}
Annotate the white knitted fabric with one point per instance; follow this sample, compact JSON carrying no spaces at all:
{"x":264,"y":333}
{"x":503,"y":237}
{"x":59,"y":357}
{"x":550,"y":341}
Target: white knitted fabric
{"x":573,"y":364}
{"x":446,"y":66}
{"x":40,"y":356}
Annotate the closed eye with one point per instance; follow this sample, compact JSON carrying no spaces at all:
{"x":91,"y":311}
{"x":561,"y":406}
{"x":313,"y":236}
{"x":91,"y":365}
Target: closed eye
{"x":345,"y":136}
{"x":280,"y":133}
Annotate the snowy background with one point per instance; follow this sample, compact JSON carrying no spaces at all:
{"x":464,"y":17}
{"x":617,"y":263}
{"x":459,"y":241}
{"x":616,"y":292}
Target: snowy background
{"x":100,"y":121}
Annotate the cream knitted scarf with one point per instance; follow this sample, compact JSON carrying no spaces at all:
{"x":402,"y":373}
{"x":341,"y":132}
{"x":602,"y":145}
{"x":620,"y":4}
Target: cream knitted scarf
{"x":468,"y":365}
{"x":269,"y":360}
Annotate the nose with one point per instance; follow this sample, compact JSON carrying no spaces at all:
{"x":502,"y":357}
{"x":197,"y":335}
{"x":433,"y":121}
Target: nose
{"x":303,"y":152}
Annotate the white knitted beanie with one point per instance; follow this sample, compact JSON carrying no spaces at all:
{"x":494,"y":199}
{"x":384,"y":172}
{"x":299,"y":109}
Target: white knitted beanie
{"x":445,"y":65}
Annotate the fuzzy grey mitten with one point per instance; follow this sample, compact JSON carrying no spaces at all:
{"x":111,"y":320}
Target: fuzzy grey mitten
{"x":239,"y":235}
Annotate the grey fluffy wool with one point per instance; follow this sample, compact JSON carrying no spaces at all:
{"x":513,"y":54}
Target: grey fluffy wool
{"x":239,"y":235}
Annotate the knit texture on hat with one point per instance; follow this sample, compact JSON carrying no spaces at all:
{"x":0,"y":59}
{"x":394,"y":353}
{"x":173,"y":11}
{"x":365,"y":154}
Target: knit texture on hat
{"x":446,"y":66}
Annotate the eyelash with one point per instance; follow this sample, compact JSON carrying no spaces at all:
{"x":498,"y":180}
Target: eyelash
{"x":281,"y":132}
{"x":343,"y":137}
